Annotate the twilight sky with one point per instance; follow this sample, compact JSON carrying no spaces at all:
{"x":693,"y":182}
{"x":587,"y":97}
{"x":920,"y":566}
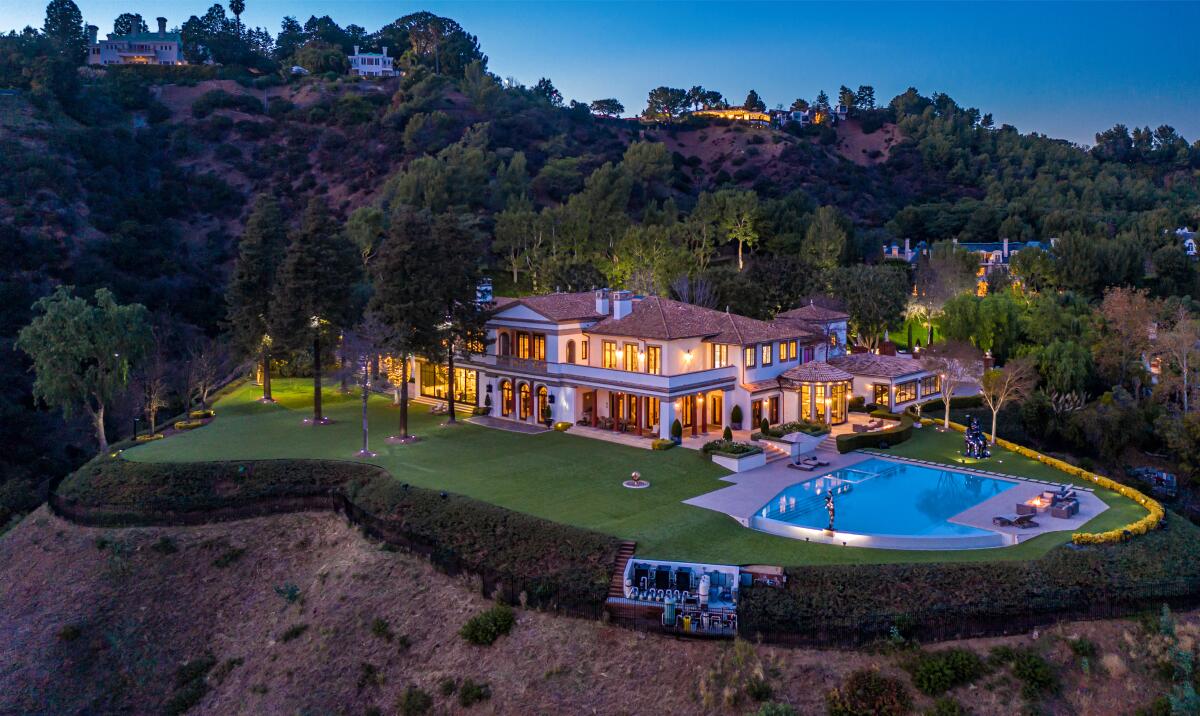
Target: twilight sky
{"x":1067,"y":70}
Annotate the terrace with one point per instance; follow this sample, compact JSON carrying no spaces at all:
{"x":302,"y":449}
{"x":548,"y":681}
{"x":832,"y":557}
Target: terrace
{"x":573,"y":480}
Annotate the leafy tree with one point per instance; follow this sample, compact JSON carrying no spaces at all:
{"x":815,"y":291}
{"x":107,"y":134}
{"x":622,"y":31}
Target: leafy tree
{"x":311,"y":298}
{"x":547,"y":91}
{"x":846,"y":96}
{"x":290,"y":38}
{"x":607,"y":107}
{"x":128,"y":23}
{"x":64,"y":27}
{"x":739,"y":219}
{"x":1180,"y":346}
{"x":1034,"y":268}
{"x":320,"y":57}
{"x":1077,"y":260}
{"x":250,"y":292}
{"x":405,"y":301}
{"x":82,"y":352}
{"x":822,"y":101}
{"x":824,"y":243}
{"x":948,"y":271}
{"x":1012,"y":383}
{"x":665,"y":104}
{"x":437,"y":43}
{"x":1065,"y":367}
{"x":1126,"y":319}
{"x":864,"y":98}
{"x":799,"y":105}
{"x":754,"y":103}
{"x":956,"y":364}
{"x":874,"y":296}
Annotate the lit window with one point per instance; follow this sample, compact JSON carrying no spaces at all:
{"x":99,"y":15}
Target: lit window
{"x":792,"y":350}
{"x":906,"y":392}
{"x":583,"y":346}
{"x":766,"y":354}
{"x":608,"y":354}
{"x":748,"y":357}
{"x":631,"y":356}
{"x":718,"y":355}
{"x":783,"y":351}
{"x":654,"y":360}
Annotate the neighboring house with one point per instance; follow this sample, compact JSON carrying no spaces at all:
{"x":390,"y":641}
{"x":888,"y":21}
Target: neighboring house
{"x":737,"y":114}
{"x":1189,"y":241}
{"x":139,"y":48}
{"x":610,"y":359}
{"x":993,"y":255}
{"x":804,"y":117}
{"x":371,"y":64}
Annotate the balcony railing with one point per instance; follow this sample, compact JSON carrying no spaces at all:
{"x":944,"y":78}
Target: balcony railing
{"x":595,"y":374}
{"x":527,"y":365}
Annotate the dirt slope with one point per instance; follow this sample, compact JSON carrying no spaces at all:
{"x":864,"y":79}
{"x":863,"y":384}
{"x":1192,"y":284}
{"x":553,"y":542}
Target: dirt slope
{"x":100,"y":621}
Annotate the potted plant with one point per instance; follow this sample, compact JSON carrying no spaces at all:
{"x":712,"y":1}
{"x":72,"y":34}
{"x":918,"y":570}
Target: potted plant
{"x":487,"y":404}
{"x":735,"y":417}
{"x":546,"y":416}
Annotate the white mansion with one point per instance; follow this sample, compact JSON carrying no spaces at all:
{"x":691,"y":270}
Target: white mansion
{"x":613,"y":360}
{"x":139,"y":48}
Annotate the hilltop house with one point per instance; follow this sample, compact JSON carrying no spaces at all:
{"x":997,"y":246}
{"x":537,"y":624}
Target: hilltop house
{"x":993,"y":255}
{"x":613,"y":360}
{"x":139,"y":48}
{"x":736,"y":114}
{"x":1188,"y":237}
{"x":371,"y":64}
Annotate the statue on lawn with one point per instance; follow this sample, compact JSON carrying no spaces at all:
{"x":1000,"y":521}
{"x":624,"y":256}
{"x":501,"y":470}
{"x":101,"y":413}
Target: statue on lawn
{"x":975,"y":442}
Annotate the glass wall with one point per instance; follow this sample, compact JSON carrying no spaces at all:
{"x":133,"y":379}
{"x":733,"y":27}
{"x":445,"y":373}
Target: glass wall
{"x":434,"y":383}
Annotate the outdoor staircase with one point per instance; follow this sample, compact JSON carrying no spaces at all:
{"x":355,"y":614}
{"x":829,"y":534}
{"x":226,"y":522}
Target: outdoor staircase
{"x":828,"y":447}
{"x":616,"y":585}
{"x":773,"y":452}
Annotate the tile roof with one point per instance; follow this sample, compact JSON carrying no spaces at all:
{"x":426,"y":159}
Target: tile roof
{"x":817,"y":371}
{"x":876,"y":365}
{"x":557,"y":306}
{"x":813,"y":312}
{"x":664,"y":319}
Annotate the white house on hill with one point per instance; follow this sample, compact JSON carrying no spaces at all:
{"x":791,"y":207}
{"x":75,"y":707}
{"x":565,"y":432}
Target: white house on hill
{"x":139,"y":48}
{"x":371,"y":64}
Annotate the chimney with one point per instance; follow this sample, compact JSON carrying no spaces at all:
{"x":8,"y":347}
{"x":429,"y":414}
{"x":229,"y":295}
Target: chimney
{"x":622,"y":304}
{"x":907,"y":249}
{"x":1005,"y":247}
{"x":384,"y":51}
{"x":602,"y":301}
{"x":162,"y":27}
{"x":356,"y":49}
{"x":92,"y":30}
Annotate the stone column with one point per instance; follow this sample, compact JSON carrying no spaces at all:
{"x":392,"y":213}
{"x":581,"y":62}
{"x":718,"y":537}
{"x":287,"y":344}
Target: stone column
{"x":666,"y":416}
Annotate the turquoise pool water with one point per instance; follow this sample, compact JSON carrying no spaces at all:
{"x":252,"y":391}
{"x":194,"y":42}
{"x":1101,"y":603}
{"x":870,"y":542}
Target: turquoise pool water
{"x":881,"y":497}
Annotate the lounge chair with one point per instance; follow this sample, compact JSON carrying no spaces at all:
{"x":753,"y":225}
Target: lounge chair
{"x":801,"y":466}
{"x":1024,"y":522}
{"x":818,"y":461}
{"x":1003,"y":520}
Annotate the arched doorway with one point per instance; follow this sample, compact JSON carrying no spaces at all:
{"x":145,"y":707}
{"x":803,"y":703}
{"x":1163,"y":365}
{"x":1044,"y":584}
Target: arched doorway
{"x":506,"y":398}
{"x":543,"y":402}
{"x":525,"y":403}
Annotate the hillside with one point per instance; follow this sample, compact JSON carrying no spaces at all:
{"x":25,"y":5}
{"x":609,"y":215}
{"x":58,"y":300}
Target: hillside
{"x":101,"y":621}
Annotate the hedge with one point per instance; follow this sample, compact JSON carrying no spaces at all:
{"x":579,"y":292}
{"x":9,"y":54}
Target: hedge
{"x":796,"y":426}
{"x":1155,"y":511}
{"x":729,"y":448}
{"x":1163,"y":565}
{"x":557,"y":565}
{"x":894,"y":435}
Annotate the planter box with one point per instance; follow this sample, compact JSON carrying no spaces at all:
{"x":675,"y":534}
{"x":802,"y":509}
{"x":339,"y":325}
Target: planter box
{"x":740,"y":463}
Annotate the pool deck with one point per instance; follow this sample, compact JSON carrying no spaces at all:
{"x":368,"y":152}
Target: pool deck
{"x":753,"y":489}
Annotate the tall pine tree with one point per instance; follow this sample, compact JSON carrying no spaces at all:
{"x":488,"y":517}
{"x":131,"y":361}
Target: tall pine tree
{"x":405,"y":300}
{"x":458,"y":253}
{"x":251,"y":287}
{"x":313,"y":300}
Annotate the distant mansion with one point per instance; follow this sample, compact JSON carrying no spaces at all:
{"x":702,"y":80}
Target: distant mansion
{"x":777,"y":117}
{"x":612,"y":360}
{"x":139,"y":48}
{"x":993,"y":255}
{"x":371,"y":64}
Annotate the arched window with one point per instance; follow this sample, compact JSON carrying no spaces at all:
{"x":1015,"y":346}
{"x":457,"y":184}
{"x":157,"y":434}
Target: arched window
{"x":543,"y":403}
{"x":505,"y":345}
{"x":526,"y":402}
{"x":506,"y":398}
{"x":570,"y":351}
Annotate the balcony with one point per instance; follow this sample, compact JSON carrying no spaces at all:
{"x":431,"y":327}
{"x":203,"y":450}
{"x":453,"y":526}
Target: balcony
{"x":525,"y":365}
{"x":678,"y":384}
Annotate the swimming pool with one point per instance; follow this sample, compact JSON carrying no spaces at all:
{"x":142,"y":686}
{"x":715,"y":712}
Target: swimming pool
{"x":892,"y":504}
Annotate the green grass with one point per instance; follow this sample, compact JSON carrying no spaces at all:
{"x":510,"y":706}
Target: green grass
{"x":558,"y":476}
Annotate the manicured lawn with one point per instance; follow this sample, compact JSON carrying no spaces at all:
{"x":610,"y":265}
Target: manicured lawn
{"x":557,"y":476}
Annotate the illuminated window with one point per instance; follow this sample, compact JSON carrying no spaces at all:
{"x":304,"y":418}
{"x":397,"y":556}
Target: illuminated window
{"x":766,"y":354}
{"x":522,"y":345}
{"x":792,"y":350}
{"x":783,"y":351}
{"x":539,"y":347}
{"x":931,"y":385}
{"x":654,"y":360}
{"x":906,"y":392}
{"x":718,"y":355}
{"x":880,"y":396}
{"x":748,"y":357}
{"x":608,"y":354}
{"x":631,"y":356}
{"x":583,"y":345}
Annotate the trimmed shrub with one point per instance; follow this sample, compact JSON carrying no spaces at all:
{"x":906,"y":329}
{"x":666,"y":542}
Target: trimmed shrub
{"x":485,"y":628}
{"x":729,"y":448}
{"x":677,"y":430}
{"x":735,"y":415}
{"x":661,"y":444}
{"x":869,"y":693}
{"x":188,"y":424}
{"x":727,"y":434}
{"x":764,"y":425}
{"x":562,"y":426}
{"x":849,"y":442}
{"x":857,"y":404}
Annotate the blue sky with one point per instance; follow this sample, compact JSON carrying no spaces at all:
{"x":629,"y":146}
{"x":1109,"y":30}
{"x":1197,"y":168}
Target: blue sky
{"x":1067,"y":70}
